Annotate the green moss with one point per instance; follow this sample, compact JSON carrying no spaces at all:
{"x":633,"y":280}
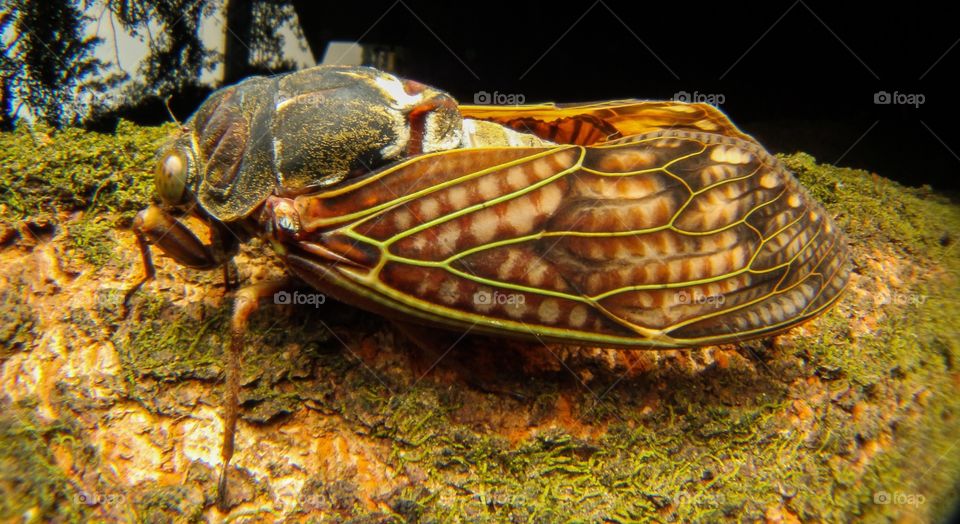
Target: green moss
{"x":877,"y":212}
{"x":43,"y":171}
{"x":95,"y":238}
{"x":906,"y":365}
{"x":720,"y":447}
{"x":168,"y":343}
{"x":33,"y":487}
{"x":163,"y":504}
{"x":16,"y":319}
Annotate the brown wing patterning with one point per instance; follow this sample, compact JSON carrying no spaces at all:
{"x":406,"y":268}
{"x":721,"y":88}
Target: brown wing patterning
{"x":592,"y":123}
{"x":667,"y":239}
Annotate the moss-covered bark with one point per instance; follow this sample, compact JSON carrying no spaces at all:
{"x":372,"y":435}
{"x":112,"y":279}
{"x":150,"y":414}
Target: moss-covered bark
{"x":111,"y":417}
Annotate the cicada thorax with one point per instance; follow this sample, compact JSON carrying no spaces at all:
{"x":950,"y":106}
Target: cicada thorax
{"x":668,"y":239}
{"x":311,"y":129}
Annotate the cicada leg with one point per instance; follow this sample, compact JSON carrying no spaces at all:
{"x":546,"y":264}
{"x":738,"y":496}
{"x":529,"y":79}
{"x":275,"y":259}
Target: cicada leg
{"x":245,"y":303}
{"x":154,"y":226}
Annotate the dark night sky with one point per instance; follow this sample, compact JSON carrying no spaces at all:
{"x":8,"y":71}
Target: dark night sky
{"x":797,"y":75}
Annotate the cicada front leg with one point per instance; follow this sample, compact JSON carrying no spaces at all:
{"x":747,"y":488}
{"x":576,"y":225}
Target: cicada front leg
{"x":154,"y":226}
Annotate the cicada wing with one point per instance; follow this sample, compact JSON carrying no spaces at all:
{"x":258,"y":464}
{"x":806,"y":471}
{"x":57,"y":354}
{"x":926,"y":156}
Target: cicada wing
{"x":700,"y":238}
{"x":669,"y":239}
{"x":592,"y":123}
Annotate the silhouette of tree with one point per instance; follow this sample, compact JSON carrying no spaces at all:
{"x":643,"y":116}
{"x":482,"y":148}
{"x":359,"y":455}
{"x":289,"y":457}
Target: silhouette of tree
{"x":252,"y":44}
{"x":47,"y":63}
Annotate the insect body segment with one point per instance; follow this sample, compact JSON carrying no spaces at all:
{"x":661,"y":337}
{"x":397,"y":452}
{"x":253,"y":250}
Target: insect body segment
{"x":667,"y":239}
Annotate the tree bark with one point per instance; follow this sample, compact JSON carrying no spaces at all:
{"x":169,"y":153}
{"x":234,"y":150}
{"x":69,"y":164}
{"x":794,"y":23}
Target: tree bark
{"x":109,"y":414}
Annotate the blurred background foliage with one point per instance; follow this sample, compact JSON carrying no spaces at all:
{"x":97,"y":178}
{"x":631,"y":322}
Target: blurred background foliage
{"x":49,"y":70}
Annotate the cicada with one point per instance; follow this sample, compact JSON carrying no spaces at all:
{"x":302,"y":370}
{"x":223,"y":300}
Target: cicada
{"x":629,"y":224}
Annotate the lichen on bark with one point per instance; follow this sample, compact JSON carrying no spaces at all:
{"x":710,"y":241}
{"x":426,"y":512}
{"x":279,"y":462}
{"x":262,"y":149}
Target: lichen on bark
{"x":113,"y":417}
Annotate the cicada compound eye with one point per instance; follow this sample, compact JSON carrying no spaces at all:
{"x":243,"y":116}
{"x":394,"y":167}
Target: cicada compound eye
{"x":170,"y":178}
